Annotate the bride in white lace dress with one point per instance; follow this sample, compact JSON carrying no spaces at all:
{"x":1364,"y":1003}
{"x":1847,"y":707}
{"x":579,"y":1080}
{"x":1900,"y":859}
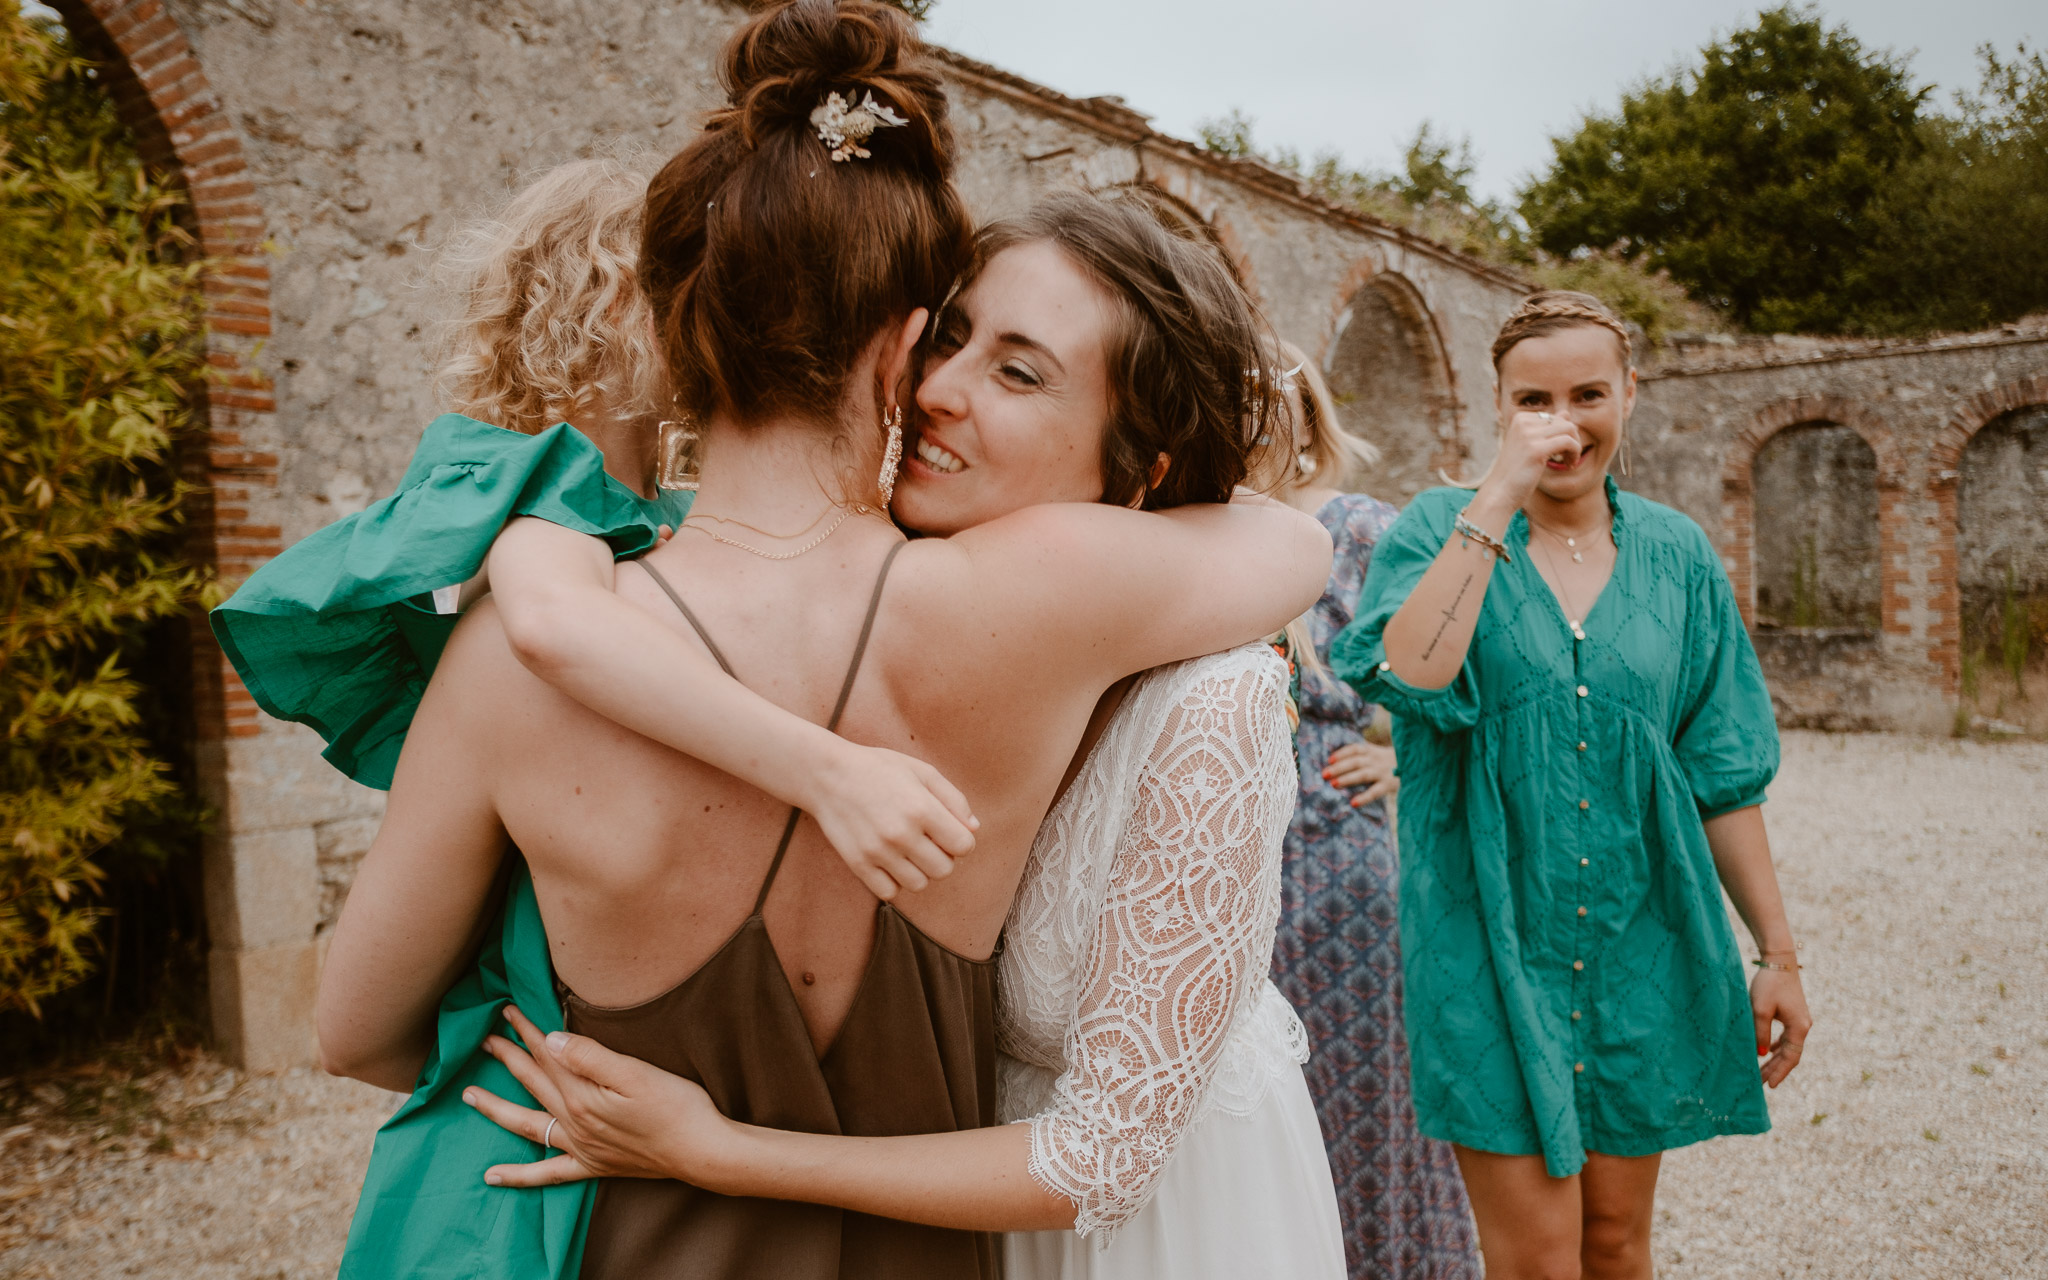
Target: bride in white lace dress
{"x":1159,"y":1125}
{"x":1157,"y":1065}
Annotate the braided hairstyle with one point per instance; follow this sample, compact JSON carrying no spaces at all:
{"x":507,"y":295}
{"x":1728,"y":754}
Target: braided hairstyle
{"x":1549,"y":311}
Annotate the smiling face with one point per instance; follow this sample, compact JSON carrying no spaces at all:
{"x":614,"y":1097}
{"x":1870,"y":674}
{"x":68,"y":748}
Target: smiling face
{"x":1015,"y":396}
{"x":1578,"y":374}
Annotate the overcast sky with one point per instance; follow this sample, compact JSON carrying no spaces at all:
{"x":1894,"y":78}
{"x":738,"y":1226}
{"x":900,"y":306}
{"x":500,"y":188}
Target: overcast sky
{"x":1358,"y":76}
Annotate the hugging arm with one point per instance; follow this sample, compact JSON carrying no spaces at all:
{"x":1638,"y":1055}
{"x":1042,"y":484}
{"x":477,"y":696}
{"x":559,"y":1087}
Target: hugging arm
{"x":1127,"y":590}
{"x":1182,"y":938}
{"x":416,"y":910}
{"x":893,"y":818}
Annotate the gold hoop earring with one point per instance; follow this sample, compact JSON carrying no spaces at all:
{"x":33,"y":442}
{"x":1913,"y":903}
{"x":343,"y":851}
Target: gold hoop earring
{"x":675,"y":449}
{"x":1624,"y":453}
{"x":892,"y":455}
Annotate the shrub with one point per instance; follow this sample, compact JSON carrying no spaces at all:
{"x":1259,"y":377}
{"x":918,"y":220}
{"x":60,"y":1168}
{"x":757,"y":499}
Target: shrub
{"x":99,"y":352}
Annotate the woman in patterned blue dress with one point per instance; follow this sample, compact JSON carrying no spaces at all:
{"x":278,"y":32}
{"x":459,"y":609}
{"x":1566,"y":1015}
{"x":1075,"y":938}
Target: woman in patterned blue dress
{"x":1337,"y":958}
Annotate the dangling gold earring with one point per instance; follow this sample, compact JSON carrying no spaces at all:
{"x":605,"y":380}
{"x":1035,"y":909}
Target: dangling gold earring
{"x":892,"y":455}
{"x":675,"y":446}
{"x":1624,"y":452}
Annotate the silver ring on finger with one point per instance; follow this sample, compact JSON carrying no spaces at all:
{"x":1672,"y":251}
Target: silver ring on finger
{"x":1544,"y":416}
{"x":548,"y":1133}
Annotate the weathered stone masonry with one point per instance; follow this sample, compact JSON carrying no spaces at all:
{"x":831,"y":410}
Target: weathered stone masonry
{"x":1708,"y":410}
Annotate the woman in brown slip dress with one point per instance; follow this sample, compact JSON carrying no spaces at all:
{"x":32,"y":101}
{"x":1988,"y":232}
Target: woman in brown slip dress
{"x":789,"y":285}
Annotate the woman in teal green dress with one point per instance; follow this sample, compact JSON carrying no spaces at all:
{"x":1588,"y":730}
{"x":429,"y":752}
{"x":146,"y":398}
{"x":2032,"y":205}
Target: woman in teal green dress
{"x":1584,"y":740}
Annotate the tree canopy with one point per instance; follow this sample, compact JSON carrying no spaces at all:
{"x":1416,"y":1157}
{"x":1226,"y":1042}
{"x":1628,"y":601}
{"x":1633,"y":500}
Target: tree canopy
{"x":1754,"y":179}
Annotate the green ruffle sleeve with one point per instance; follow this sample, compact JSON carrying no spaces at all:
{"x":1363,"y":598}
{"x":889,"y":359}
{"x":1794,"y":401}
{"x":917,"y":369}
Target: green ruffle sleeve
{"x":340,"y":632}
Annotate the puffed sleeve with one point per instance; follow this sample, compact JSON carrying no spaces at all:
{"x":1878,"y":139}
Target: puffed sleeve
{"x":1183,"y":940}
{"x":340,"y":633}
{"x":1358,"y":654}
{"x":1727,"y":738}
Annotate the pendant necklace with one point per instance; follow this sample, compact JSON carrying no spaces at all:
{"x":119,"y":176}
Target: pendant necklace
{"x":1564,"y":592}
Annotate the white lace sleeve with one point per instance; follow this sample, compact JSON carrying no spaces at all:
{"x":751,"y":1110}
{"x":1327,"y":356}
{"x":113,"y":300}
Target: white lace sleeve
{"x":1182,"y":944}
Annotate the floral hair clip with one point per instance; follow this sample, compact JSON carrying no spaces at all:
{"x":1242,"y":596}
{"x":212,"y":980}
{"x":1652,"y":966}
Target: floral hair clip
{"x":844,"y":128}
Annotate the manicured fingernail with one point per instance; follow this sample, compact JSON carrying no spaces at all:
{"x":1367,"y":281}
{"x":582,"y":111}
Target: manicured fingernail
{"x":469,"y":1096}
{"x":494,"y":1178}
{"x":557,"y":1041}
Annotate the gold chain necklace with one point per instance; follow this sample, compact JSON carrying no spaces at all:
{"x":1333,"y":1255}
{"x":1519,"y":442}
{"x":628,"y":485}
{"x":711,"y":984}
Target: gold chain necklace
{"x":766,"y":533}
{"x":845,"y":513}
{"x":1572,"y":543}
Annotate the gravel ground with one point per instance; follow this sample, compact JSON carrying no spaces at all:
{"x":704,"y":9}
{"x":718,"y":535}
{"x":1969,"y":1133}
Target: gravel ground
{"x":1912,"y":1143}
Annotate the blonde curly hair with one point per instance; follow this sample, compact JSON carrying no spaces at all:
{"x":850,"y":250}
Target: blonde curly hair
{"x":552,"y":324}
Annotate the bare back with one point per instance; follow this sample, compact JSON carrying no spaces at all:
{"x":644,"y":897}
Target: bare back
{"x":646,"y":861}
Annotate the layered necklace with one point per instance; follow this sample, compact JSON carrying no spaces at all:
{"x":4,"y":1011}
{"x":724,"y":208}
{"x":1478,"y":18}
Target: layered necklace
{"x":846,"y":512}
{"x":1570,"y":543}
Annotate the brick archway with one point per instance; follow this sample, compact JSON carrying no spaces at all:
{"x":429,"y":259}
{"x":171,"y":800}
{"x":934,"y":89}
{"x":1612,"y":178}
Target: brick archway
{"x":1944,"y":470}
{"x":1425,"y":340}
{"x":261,"y":972}
{"x":1738,"y":511}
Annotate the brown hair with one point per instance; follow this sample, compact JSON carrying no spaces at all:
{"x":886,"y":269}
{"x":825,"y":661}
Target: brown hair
{"x":1185,"y":373}
{"x":770,"y":266}
{"x":1551,"y":310}
{"x":551,"y":322}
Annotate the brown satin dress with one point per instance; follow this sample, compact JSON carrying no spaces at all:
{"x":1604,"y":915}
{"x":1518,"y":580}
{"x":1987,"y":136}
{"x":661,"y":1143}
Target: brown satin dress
{"x":916,"y":1054}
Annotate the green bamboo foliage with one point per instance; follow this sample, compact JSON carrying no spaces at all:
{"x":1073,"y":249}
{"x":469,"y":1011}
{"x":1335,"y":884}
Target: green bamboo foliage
{"x":99,"y":355}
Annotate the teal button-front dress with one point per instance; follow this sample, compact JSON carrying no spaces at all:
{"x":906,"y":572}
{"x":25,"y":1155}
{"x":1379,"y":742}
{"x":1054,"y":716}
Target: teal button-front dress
{"x":341,"y":633}
{"x":1572,"y":981}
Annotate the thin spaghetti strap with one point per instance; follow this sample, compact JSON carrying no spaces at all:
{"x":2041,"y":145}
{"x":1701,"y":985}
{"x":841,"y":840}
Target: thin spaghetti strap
{"x":860,"y":649}
{"x":867,"y":628}
{"x":688,"y":616}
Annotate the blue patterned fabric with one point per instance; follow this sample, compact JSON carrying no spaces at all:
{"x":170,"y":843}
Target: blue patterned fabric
{"x":1338,"y":961}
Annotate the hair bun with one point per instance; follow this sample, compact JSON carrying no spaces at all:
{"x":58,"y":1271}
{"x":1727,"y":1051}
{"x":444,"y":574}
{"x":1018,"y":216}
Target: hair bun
{"x":785,"y":63}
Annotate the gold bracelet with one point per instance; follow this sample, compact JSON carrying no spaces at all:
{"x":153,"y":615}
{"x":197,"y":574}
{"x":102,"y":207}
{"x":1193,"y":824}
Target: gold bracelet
{"x":1778,"y":966}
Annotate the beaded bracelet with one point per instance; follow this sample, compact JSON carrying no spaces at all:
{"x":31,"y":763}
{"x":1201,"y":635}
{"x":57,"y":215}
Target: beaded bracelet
{"x":1473,"y":533}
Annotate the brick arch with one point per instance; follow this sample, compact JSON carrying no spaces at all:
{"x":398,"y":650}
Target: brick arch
{"x":1738,"y":511}
{"x":184,"y":133}
{"x":1425,"y":338}
{"x":1944,"y":469}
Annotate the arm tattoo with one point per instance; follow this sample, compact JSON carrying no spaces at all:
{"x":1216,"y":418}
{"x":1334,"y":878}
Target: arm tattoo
{"x":1450,"y":616}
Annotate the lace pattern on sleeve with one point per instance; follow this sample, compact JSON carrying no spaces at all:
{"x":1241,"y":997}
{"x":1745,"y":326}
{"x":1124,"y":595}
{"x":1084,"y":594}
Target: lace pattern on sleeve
{"x":1180,"y":947}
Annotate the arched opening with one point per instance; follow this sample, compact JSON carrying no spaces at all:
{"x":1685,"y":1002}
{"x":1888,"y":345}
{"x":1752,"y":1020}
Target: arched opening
{"x":1816,"y":538}
{"x":1391,"y":382}
{"x":104,"y":930}
{"x":2002,"y":571}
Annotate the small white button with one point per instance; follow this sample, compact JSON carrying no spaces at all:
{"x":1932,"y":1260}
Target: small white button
{"x":1582,"y":911}
{"x":1582,"y":746}
{"x":1582,"y":691}
{"x":1585,"y":804}
{"x":1585,"y":862}
{"x":1579,"y":1067}
{"x":1575,"y":1015}
{"x":1386,"y":666}
{"x":1578,"y":964}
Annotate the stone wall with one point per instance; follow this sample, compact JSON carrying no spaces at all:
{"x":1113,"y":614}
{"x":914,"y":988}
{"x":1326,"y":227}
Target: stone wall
{"x":331,"y":146}
{"x":1706,"y":420}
